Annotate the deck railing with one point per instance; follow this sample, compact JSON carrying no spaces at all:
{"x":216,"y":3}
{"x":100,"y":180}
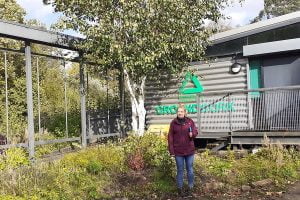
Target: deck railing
{"x":266,"y":109}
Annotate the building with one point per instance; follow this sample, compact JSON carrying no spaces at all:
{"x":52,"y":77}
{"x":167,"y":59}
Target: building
{"x":247,"y":88}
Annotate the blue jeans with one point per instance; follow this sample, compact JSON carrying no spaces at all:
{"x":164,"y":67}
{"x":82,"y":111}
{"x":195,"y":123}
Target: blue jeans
{"x":189,"y":160}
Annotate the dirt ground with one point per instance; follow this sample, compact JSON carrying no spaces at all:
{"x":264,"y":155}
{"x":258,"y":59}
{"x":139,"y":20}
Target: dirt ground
{"x":267,"y":192}
{"x":293,"y":192}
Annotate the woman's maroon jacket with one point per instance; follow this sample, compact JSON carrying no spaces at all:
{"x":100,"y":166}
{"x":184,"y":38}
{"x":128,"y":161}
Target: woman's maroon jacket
{"x":180,"y":144}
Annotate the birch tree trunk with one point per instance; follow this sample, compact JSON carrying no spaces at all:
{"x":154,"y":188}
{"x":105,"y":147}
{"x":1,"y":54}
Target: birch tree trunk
{"x":137,"y":104}
{"x":134,"y":115}
{"x":141,"y":108}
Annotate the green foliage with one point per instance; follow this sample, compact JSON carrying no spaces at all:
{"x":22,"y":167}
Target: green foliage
{"x":147,"y":35}
{"x":162,"y":182}
{"x":13,"y":158}
{"x":275,"y":8}
{"x":214,"y":165}
{"x":277,"y":163}
{"x":42,"y":150}
{"x":153,"y":149}
{"x":94,"y":173}
{"x":80,"y":175}
{"x":11,"y":11}
{"x":11,"y":197}
{"x":107,"y":158}
{"x":56,"y":124}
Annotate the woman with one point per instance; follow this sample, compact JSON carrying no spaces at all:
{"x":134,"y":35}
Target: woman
{"x":181,"y":145}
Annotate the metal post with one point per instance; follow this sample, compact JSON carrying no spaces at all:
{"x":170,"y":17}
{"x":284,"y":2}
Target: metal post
{"x":248,"y":96}
{"x":82,"y":105}
{"x":89,"y":132}
{"x":30,"y":121}
{"x":38,"y":93}
{"x":66,"y":99}
{"x":230,"y":113}
{"x":198,"y":113}
{"x":108,"y":117}
{"x":6,"y":95}
{"x":122,"y":102}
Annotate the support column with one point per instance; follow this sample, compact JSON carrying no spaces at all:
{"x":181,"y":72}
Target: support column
{"x":82,"y":105}
{"x":122,"y":102}
{"x":30,"y":116}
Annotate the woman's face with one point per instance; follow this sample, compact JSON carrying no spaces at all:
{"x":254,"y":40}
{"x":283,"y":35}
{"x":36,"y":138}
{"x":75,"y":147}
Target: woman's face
{"x":180,"y":113}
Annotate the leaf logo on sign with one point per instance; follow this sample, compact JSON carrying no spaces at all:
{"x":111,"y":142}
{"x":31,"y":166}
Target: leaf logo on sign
{"x":194,"y":79}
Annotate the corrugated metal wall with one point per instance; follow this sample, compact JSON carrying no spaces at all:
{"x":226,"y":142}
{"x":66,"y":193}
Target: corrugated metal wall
{"x":214,"y":76}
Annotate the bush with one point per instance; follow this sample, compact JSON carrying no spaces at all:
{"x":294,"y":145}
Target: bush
{"x":215,"y":166}
{"x":152,"y":147}
{"x":135,"y":160}
{"x":103,"y":157}
{"x":10,"y":197}
{"x":279,"y":164}
{"x":13,"y":158}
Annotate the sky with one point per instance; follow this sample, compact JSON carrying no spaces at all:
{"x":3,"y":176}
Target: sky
{"x":239,"y":14}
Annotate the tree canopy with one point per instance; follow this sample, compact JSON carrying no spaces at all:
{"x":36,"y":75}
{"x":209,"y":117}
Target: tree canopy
{"x":274,"y":8}
{"x":141,"y":36}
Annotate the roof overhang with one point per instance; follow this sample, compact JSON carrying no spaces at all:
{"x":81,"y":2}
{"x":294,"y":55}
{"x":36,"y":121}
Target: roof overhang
{"x":254,"y":28}
{"x":37,"y":35}
{"x":272,"y":47}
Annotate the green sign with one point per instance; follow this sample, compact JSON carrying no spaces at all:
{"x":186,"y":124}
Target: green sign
{"x":189,"y":94}
{"x":220,"y":106}
{"x":194,"y":79}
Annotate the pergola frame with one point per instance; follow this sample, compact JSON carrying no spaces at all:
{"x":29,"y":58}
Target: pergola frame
{"x":31,"y":35}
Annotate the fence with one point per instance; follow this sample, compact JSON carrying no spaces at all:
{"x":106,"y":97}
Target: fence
{"x":107,"y":122}
{"x":266,"y":109}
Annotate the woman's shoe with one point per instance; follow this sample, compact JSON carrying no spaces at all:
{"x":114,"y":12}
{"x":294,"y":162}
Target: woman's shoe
{"x":180,"y":192}
{"x":189,"y":192}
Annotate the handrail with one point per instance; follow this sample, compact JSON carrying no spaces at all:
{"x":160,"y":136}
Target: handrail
{"x":247,"y":91}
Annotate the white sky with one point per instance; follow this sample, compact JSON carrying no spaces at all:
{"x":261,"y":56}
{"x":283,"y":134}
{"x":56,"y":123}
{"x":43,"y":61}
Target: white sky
{"x":239,"y":14}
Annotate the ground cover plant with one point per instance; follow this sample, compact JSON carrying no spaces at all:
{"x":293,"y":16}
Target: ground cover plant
{"x":141,"y":168}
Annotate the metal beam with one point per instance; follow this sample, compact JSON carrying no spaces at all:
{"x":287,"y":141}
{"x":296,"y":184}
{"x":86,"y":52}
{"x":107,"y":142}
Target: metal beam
{"x":7,"y":146}
{"x":103,"y":136}
{"x":37,"y":35}
{"x":271,"y":140}
{"x":271,"y":47}
{"x":255,"y":137}
{"x":29,"y":100}
{"x":43,"y":142}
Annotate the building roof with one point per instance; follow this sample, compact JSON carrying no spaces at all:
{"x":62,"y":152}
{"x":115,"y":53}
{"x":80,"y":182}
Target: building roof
{"x":254,"y":28}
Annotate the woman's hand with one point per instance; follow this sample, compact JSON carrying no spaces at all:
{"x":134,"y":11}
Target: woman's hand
{"x":191,"y":134}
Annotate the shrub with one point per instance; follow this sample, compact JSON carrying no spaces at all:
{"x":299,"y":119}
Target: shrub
{"x":153,"y":149}
{"x":215,"y":166}
{"x":135,"y":160}
{"x":107,"y":157}
{"x":275,"y":162}
{"x":10,"y":197}
{"x":13,"y":158}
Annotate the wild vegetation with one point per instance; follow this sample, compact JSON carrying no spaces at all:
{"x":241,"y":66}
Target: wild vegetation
{"x":141,"y":168}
